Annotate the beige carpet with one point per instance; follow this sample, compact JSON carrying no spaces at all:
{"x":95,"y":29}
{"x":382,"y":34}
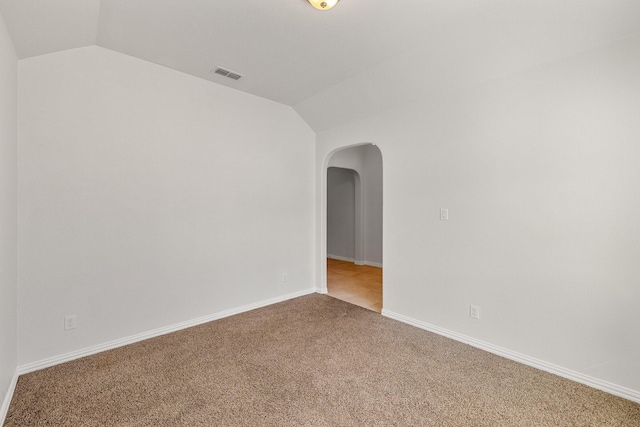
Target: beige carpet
{"x":311,"y":361}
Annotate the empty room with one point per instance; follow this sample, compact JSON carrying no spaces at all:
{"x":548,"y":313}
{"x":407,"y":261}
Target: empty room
{"x":189,"y":189}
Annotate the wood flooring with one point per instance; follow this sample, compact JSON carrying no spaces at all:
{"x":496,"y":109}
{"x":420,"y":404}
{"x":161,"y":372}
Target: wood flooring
{"x":356,"y":284}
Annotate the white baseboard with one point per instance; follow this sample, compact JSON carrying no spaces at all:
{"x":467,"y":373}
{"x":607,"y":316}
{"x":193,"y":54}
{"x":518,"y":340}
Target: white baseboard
{"x":56,"y":360}
{"x":624,"y":392}
{"x":341,"y":258}
{"x":7,"y":398}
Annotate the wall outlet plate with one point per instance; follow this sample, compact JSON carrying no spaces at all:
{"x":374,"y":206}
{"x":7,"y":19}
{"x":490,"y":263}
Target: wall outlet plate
{"x":474,"y":311}
{"x":70,"y":322}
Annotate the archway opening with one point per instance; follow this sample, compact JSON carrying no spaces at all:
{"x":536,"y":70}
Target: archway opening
{"x":354,"y":226}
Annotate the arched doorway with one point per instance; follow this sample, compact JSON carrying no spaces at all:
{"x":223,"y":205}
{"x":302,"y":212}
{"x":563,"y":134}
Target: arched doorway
{"x":354,"y":225}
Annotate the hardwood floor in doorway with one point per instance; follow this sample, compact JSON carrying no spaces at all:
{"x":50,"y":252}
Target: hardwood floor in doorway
{"x":356,"y":284}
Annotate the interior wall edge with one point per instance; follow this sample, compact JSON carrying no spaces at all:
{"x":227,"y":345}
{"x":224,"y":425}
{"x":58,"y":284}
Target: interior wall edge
{"x":7,"y":398}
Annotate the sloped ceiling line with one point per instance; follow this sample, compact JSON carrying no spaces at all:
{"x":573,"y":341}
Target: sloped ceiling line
{"x":334,"y":67}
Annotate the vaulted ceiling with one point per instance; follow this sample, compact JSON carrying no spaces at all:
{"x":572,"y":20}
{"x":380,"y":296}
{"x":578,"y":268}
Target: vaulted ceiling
{"x":358,"y":59}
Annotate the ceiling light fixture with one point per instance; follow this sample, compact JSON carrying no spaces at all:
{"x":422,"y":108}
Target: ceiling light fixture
{"x":323,"y":4}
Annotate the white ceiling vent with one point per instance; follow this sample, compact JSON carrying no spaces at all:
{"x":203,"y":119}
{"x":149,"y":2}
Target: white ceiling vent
{"x":231,"y":74}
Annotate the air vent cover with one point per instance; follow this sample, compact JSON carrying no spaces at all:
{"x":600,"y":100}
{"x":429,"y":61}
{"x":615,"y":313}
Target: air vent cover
{"x":231,"y":74}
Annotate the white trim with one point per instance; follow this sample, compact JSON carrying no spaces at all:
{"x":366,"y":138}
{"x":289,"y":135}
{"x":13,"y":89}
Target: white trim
{"x":56,"y":360}
{"x":342,"y":258}
{"x":624,"y":392}
{"x":323,"y":291}
{"x":7,"y":398}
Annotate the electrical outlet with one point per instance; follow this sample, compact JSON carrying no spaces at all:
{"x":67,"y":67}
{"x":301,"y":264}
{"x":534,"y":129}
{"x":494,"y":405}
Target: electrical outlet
{"x":70,"y":322}
{"x":285,"y":277}
{"x":474,"y":312}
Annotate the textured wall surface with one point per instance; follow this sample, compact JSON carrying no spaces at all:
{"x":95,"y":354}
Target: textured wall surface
{"x":148,"y":197}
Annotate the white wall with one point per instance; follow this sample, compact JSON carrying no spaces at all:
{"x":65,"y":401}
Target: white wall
{"x":366,"y":160}
{"x":148,"y":197}
{"x":8,"y":221}
{"x":540,"y":173}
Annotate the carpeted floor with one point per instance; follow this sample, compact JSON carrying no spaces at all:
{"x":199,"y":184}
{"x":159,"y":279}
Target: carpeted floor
{"x":311,"y":361}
